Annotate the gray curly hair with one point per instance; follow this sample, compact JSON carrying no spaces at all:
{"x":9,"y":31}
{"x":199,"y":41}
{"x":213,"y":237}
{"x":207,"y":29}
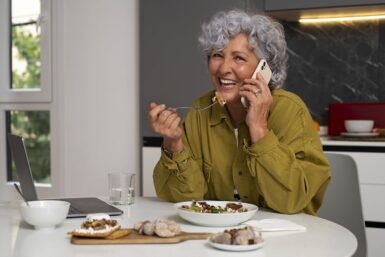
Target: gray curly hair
{"x":266,"y":37}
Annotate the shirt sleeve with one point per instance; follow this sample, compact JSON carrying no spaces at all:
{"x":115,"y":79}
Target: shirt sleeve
{"x":180,"y":178}
{"x":290,"y":169}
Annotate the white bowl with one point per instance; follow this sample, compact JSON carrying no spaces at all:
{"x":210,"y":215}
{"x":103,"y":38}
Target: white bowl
{"x":45,"y":214}
{"x":216,"y":219}
{"x":359,"y":126}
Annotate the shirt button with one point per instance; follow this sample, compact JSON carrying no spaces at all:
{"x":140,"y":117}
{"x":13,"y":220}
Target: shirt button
{"x":240,"y":173}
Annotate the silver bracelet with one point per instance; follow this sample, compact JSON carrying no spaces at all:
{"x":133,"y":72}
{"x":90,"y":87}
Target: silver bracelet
{"x":167,"y":152}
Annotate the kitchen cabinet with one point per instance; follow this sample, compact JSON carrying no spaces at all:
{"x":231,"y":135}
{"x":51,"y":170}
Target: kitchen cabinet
{"x":375,"y":238}
{"x":371,"y":173}
{"x":370,"y":161}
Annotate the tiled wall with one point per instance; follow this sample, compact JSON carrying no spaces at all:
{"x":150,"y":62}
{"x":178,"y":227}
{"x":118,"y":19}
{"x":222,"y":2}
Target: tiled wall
{"x":338,"y":62}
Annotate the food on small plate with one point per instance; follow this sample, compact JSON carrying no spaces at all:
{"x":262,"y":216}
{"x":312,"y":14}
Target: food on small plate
{"x":238,"y":240}
{"x":218,"y":98}
{"x":159,"y":227}
{"x":240,"y":236}
{"x":99,"y":225}
{"x":204,"y":207}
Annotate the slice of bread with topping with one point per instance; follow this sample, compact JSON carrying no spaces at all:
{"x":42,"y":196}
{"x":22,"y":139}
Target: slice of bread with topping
{"x":98,"y":225}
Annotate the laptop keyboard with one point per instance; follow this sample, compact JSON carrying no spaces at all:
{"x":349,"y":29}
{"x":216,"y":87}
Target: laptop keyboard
{"x":80,"y":207}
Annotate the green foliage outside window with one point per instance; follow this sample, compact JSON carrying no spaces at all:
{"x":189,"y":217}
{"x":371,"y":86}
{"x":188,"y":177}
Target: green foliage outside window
{"x":27,"y":51}
{"x":33,"y":126}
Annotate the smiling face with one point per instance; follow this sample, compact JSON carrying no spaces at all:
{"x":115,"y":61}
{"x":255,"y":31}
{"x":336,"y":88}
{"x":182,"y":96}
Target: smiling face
{"x":228,"y":67}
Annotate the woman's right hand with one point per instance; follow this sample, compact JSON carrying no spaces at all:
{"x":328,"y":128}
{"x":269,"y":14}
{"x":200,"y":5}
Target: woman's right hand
{"x":165,"y":122}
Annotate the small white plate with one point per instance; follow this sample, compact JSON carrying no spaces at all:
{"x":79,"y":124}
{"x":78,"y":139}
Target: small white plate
{"x":360,"y":134}
{"x":236,"y":248}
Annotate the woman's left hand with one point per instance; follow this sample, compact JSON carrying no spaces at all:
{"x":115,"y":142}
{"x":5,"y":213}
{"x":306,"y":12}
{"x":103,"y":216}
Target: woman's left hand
{"x":259,"y":97}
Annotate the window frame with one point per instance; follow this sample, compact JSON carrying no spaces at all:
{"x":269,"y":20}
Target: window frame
{"x":46,"y":188}
{"x":44,"y":93}
{"x":27,"y":99}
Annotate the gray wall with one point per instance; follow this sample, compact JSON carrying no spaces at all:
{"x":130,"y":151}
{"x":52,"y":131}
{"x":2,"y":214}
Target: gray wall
{"x":173,"y":70}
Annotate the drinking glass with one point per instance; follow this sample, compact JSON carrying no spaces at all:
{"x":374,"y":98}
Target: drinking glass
{"x":121,"y":187}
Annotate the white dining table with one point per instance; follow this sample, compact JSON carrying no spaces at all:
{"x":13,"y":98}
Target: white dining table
{"x":321,"y":238}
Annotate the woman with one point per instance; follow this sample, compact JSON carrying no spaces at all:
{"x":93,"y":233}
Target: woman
{"x":269,"y":154}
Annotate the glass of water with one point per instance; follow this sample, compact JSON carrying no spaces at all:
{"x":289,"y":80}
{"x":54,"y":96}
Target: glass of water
{"x":121,"y":187}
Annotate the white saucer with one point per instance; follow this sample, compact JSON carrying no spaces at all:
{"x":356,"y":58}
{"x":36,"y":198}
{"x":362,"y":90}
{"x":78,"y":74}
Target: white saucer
{"x":236,"y":248}
{"x":360,"y":134}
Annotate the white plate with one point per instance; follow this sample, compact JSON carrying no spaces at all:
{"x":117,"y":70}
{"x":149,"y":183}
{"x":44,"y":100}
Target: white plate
{"x":236,"y":248}
{"x":360,"y":134}
{"x":216,"y":219}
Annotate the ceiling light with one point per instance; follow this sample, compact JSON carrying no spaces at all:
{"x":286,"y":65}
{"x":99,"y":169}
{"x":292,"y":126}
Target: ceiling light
{"x":336,"y":19}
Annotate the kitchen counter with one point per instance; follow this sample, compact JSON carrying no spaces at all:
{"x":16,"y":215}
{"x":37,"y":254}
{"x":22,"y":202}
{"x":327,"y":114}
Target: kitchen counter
{"x":327,"y":141}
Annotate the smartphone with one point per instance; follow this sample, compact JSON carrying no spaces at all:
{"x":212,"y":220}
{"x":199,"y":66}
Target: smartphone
{"x":266,"y":73}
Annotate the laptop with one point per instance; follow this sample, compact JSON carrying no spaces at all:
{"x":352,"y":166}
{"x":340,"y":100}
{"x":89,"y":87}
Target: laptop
{"x":79,"y":207}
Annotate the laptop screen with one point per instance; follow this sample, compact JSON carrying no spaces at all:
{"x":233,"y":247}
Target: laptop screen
{"x":24,"y":174}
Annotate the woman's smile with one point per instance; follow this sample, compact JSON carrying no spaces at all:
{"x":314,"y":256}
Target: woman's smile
{"x":227,"y":84}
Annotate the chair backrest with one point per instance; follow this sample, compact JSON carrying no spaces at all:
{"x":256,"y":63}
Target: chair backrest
{"x":342,"y":201}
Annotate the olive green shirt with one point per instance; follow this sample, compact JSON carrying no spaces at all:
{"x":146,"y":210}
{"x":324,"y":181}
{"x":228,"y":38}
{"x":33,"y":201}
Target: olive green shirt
{"x":286,"y":170}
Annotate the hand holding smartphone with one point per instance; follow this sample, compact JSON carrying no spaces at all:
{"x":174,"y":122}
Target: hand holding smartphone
{"x":266,"y":73}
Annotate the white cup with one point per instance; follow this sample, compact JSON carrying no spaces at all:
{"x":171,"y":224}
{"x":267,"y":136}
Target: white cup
{"x":121,"y":187}
{"x":359,"y":126}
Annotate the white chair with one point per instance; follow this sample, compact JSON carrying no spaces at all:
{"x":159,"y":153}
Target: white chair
{"x":342,"y":201}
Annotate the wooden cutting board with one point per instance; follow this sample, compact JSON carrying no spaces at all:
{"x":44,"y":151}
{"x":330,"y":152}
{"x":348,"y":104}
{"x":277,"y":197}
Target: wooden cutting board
{"x":135,"y":238}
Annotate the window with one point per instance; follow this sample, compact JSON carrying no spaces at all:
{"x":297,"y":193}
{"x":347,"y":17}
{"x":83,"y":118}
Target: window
{"x":34,"y":127}
{"x":25,"y":44}
{"x":25,"y":84}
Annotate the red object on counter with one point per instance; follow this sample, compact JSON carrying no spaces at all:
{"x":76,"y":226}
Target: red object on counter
{"x":339,"y":112}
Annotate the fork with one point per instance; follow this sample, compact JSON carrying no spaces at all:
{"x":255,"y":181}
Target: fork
{"x":193,"y":108}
